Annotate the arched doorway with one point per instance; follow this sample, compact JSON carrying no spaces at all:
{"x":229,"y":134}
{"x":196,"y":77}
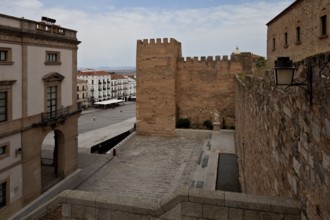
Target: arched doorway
{"x":51,"y":169}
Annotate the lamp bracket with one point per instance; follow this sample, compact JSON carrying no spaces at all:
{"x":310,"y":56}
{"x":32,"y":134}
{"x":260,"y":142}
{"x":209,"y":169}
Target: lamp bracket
{"x":306,"y":85}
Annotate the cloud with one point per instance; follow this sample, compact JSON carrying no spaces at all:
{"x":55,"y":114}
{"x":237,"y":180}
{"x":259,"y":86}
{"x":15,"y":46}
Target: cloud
{"x":109,"y":36}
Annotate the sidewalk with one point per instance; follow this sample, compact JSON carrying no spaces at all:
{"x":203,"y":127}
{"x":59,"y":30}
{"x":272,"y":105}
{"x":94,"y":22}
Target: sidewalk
{"x":91,"y":138}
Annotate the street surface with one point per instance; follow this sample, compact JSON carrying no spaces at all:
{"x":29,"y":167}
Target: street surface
{"x":92,"y":119}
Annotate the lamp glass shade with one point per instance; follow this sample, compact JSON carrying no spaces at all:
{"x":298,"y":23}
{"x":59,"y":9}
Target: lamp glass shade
{"x":284,"y":76}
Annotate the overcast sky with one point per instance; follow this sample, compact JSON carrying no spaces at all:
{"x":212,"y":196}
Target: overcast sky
{"x":109,"y":29}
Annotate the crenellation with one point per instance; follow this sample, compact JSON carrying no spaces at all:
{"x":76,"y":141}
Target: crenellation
{"x":158,"y":41}
{"x":208,"y":59}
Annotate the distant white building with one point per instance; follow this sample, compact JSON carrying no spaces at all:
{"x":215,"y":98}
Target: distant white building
{"x":82,"y":98}
{"x":99,"y":86}
{"x":131,"y":79}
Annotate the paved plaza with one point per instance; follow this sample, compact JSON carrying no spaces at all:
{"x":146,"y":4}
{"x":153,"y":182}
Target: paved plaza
{"x":151,"y":167}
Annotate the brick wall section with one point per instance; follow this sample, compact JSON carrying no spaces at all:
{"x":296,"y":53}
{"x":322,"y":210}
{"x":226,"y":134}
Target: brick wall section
{"x":156,"y":67}
{"x":305,"y":14}
{"x":184,"y":203}
{"x":283,"y":143}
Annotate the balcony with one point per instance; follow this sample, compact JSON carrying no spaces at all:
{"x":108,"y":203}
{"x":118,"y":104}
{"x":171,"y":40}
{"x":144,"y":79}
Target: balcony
{"x":59,"y":115}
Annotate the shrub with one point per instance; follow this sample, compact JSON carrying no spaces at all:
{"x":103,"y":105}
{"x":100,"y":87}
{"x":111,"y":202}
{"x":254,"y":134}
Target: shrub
{"x":183,"y":123}
{"x":208,"y":124}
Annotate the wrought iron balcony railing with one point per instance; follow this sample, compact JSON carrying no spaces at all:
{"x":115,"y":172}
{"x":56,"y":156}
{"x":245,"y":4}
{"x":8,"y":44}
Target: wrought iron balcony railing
{"x":55,"y":116}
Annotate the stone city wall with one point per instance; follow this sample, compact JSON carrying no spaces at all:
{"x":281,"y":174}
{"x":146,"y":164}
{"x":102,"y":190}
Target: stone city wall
{"x":170,"y":87}
{"x":184,"y":203}
{"x":283,"y":142}
{"x":204,"y":87}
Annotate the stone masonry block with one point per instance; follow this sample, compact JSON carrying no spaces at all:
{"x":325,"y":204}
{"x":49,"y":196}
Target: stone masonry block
{"x":90,"y":213}
{"x":103,"y":214}
{"x":292,"y":217}
{"x":117,"y":215}
{"x":189,"y":218}
{"x":285,"y":206}
{"x":78,"y":211}
{"x":207,"y":197}
{"x":245,"y":201}
{"x":171,"y":200}
{"x":145,"y":206}
{"x":235,"y":214}
{"x":119,"y":203}
{"x":271,"y":216}
{"x":215,"y":212}
{"x":81,"y":198}
{"x":174,"y":213}
{"x":251,"y":215}
{"x":192,"y":209}
{"x":66,"y":210}
{"x":140,"y":217}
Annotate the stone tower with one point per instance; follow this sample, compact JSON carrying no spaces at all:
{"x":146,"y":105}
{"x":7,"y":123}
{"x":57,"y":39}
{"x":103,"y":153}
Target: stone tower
{"x":156,"y":68}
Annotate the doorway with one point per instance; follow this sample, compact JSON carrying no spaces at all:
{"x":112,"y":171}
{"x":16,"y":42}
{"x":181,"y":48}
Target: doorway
{"x":50,"y":173}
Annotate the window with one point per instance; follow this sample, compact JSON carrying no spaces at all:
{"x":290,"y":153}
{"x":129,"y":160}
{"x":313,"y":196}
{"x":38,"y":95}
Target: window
{"x":274,"y":44}
{"x":286,"y":39}
{"x":3,"y":106}
{"x":3,"y":150}
{"x":3,"y":195}
{"x":52,"y":101}
{"x":77,"y":96}
{"x":5,"y":56}
{"x":52,"y":58}
{"x":298,"y":35}
{"x":324,"y":26}
{"x":77,"y":88}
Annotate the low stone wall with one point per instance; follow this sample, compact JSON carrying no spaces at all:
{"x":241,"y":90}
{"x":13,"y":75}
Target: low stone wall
{"x":283,"y":142}
{"x":184,"y":203}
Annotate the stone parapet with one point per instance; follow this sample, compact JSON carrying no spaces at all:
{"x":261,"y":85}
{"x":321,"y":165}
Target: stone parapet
{"x":184,"y":203}
{"x":283,"y":139}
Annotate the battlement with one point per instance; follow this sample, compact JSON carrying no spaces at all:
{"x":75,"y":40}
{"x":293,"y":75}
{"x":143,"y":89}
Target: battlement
{"x":204,"y":59}
{"x":157,"y":41}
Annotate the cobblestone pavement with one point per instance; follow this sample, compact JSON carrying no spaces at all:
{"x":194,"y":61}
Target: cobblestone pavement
{"x":146,"y":167}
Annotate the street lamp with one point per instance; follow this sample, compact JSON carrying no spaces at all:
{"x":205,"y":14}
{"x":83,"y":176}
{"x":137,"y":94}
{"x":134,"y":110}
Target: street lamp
{"x":284,"y":76}
{"x":284,"y":71}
